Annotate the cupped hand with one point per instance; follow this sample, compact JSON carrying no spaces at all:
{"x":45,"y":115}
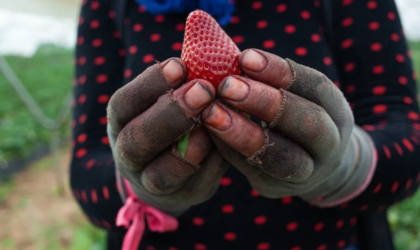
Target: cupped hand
{"x":307,"y":127}
{"x":146,"y":117}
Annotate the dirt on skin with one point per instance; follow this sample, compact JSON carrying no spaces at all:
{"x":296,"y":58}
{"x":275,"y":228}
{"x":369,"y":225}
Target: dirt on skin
{"x":33,"y":215}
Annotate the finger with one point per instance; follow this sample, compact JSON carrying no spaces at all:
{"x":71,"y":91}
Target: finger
{"x":238,"y":132}
{"x":169,"y":171}
{"x":162,"y":124}
{"x":134,"y":98}
{"x":280,"y":158}
{"x":300,"y":80}
{"x":199,"y":187}
{"x":299,"y":119}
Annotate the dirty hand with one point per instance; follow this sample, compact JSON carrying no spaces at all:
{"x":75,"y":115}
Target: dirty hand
{"x":309,"y":147}
{"x":146,"y":117}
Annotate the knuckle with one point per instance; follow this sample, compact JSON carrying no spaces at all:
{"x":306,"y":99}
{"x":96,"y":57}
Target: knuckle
{"x":266,"y":100}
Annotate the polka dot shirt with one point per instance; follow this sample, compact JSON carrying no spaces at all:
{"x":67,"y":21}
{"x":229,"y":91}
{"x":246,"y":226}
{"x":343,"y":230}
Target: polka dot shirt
{"x":369,"y":60}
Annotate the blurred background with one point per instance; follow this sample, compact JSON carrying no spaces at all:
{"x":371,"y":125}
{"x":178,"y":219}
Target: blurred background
{"x":37,"y":211}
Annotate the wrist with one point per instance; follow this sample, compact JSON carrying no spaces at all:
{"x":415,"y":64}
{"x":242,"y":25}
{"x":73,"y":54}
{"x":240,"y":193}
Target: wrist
{"x":352,"y":176}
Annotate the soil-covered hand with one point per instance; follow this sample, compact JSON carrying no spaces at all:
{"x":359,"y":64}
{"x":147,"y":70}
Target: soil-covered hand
{"x":309,"y":125}
{"x":146,"y":118}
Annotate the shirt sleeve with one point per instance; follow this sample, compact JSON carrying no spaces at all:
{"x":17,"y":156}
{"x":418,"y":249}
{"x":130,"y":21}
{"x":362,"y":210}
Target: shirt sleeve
{"x":378,"y":80}
{"x":99,"y":63}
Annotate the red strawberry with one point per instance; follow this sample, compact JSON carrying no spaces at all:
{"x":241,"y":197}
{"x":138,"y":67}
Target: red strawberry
{"x":208,"y":51}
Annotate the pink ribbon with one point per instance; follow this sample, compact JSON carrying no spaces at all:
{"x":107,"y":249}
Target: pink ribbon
{"x":135,"y":211}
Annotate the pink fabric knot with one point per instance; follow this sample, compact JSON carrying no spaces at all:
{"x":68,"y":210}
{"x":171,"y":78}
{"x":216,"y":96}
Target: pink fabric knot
{"x":132,"y":216}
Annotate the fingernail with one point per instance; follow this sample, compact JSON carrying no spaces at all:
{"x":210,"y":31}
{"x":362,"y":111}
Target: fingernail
{"x":218,"y":118}
{"x":254,"y":61}
{"x":235,"y":89}
{"x":198,"y":96}
{"x":172,"y":71}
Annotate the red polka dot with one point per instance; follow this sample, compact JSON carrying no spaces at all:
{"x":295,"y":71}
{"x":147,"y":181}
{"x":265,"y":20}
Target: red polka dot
{"x":398,"y":148}
{"x":94,"y":5}
{"x":376,"y":47}
{"x":322,"y":247}
{"x":395,"y":37}
{"x":347,"y":43}
{"x":225,"y":181}
{"x":372,"y":5}
{"x":400,"y":58}
{"x":414,"y":75}
{"x":290,"y":29}
{"x":81,"y":152}
{"x":301,"y":51}
{"x":317,"y":3}
{"x":148,"y":58}
{"x":81,"y":138}
{"x":269,"y":44}
{"x":80,"y":40}
{"x":159,"y":18}
{"x":263,"y":246}
{"x":90,"y":163}
{"x":292,"y":226}
{"x":368,"y":127}
{"x":391,"y":15}
{"x":103,"y":99}
{"x":82,"y":79}
{"x":121,"y":52}
{"x":379,"y":109}
{"x":103,"y":120}
{"x":350,"y":88}
{"x":256,"y":5}
{"x":112,"y":14}
{"x":377,"y":188}
{"x":347,"y":22}
{"x":137,"y":27}
{"x":262,"y":24}
{"x":99,"y":60}
{"x":141,"y":9}
{"x":229,"y":236}
{"x":349,"y":67}
{"x":339,"y":224}
{"x":379,"y":90}
{"x":200,"y":246}
{"x":180,"y":27}
{"x":402,"y":80}
{"x":296,"y":248}
{"x":95,"y":24}
{"x":82,"y":99}
{"x":72,"y":124}
{"x":94,"y":196}
{"x":305,"y":14}
{"x":281,"y":8}
{"x":96,"y":42}
{"x":132,"y":50}
{"x":409,"y":182}
{"x":227,"y":209}
{"x":259,"y":220}
{"x":315,"y":38}
{"x":254,"y":193}
{"x":394,"y":187}
{"x":101,"y":78}
{"x":155,"y":37}
{"x":353,"y":221}
{"x":413,"y":116}
{"x":172,"y":248}
{"x":82,"y":119}
{"x":81,"y":20}
{"x":127,"y":73}
{"x":198,"y":221}
{"x":319,"y":226}
{"x":327,"y":60}
{"x":347,"y":2}
{"x":407,"y":100}
{"x":286,"y":200}
{"x":341,"y":243}
{"x":238,"y":39}
{"x":177,"y":46}
{"x":234,"y":19}
{"x":378,"y":69}
{"x":117,"y":34}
